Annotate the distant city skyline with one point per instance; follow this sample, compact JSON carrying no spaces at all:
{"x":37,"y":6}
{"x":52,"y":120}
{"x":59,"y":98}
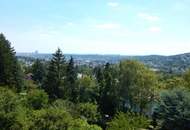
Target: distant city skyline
{"x":134,"y":27}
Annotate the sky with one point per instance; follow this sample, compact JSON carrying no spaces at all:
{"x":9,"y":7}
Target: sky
{"x":125,"y":27}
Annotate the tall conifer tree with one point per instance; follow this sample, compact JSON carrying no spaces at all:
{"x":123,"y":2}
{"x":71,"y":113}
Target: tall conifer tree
{"x":53,"y":84}
{"x":38,"y":71}
{"x":71,"y":78}
{"x":10,"y":71}
{"x":108,"y":91}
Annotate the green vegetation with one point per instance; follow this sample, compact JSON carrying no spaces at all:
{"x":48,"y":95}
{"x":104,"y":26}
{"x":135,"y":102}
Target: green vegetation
{"x":70,"y":80}
{"x":58,"y":95}
{"x":10,"y":71}
{"x":173,"y":110}
{"x":138,"y":85}
{"x":53,"y":83}
{"x":38,"y":71}
{"x":128,"y":121}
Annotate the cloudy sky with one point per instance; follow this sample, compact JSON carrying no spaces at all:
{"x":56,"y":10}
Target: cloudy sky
{"x":128,"y":27}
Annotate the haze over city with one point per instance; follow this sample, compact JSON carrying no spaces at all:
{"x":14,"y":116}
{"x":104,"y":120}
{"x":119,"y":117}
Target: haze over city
{"x":134,"y":27}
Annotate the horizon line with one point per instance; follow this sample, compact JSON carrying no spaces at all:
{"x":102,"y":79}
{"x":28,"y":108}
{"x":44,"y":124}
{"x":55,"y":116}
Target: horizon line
{"x":104,"y":54}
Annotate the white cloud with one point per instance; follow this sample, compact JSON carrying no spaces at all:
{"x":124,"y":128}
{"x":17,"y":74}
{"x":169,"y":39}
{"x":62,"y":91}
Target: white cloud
{"x":108,"y":26}
{"x":155,"y":29}
{"x":113,"y":4}
{"x":149,"y":17}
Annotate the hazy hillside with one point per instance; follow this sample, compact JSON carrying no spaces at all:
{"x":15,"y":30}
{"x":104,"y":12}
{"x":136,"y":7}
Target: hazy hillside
{"x":172,"y":64}
{"x":176,"y":63}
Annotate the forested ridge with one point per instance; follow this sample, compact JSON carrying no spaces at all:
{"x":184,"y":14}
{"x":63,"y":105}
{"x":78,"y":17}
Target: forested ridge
{"x":174,"y":64}
{"x":60,"y":95}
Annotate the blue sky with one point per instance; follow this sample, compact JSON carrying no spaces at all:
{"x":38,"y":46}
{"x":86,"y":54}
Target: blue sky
{"x":127,"y":27}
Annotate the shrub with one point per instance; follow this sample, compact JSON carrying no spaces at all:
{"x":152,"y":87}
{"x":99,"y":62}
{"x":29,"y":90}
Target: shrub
{"x":58,"y":119}
{"x":13,"y":114}
{"x":50,"y":119}
{"x":8,"y":100}
{"x":128,"y":121}
{"x":89,"y":112}
{"x":37,"y":99}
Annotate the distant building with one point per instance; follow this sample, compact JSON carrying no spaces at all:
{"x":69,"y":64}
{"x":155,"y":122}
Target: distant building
{"x":36,"y":52}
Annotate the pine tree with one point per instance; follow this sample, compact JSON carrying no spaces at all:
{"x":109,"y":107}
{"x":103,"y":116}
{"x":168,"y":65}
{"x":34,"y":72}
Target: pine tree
{"x":38,"y":71}
{"x":53,"y":84}
{"x":10,"y":71}
{"x":71,"y":78}
{"x":18,"y":76}
{"x":98,"y":72}
{"x":99,"y":75}
{"x":6,"y":61}
{"x":108,"y":92}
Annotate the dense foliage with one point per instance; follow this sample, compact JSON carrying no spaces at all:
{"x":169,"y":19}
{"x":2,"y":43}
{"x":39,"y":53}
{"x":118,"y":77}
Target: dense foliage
{"x":173,"y":110}
{"x":53,"y":83}
{"x":128,"y":121}
{"x":10,"y":71}
{"x":59,"y":95}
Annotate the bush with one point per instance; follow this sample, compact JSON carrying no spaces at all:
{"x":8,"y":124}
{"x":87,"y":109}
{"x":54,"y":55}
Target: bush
{"x":65,"y":105}
{"x":80,"y":124}
{"x":89,"y":112}
{"x":37,"y":99}
{"x":13,"y":115}
{"x":51,"y":119}
{"x":128,"y":121}
{"x":8,"y":100}
{"x":58,"y":119}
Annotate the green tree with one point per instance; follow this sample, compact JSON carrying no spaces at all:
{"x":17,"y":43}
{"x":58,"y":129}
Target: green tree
{"x":53,"y":84}
{"x":172,"y":111}
{"x":128,"y":121}
{"x":37,"y":99}
{"x":18,"y":76}
{"x":186,"y":77}
{"x":88,"y":91}
{"x":85,"y":69}
{"x":71,"y":84}
{"x":98,"y":72}
{"x":137,"y":86}
{"x":79,"y":124}
{"x":8,"y":100}
{"x":10,"y":72}
{"x":109,"y":92}
{"x":51,"y":119}
{"x":176,"y":82}
{"x":65,"y":105}
{"x":89,"y":111}
{"x":12,"y":112}
{"x":58,"y":119}
{"x":38,"y":71}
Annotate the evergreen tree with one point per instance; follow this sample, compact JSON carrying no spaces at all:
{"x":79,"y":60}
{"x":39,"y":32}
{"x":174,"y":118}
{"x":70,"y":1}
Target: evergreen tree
{"x":108,"y":92}
{"x":172,"y":110}
{"x":71,"y":78}
{"x":18,"y":76}
{"x":5,"y":62}
{"x":53,"y":84}
{"x":10,"y":71}
{"x":98,"y":72}
{"x":38,"y":71}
